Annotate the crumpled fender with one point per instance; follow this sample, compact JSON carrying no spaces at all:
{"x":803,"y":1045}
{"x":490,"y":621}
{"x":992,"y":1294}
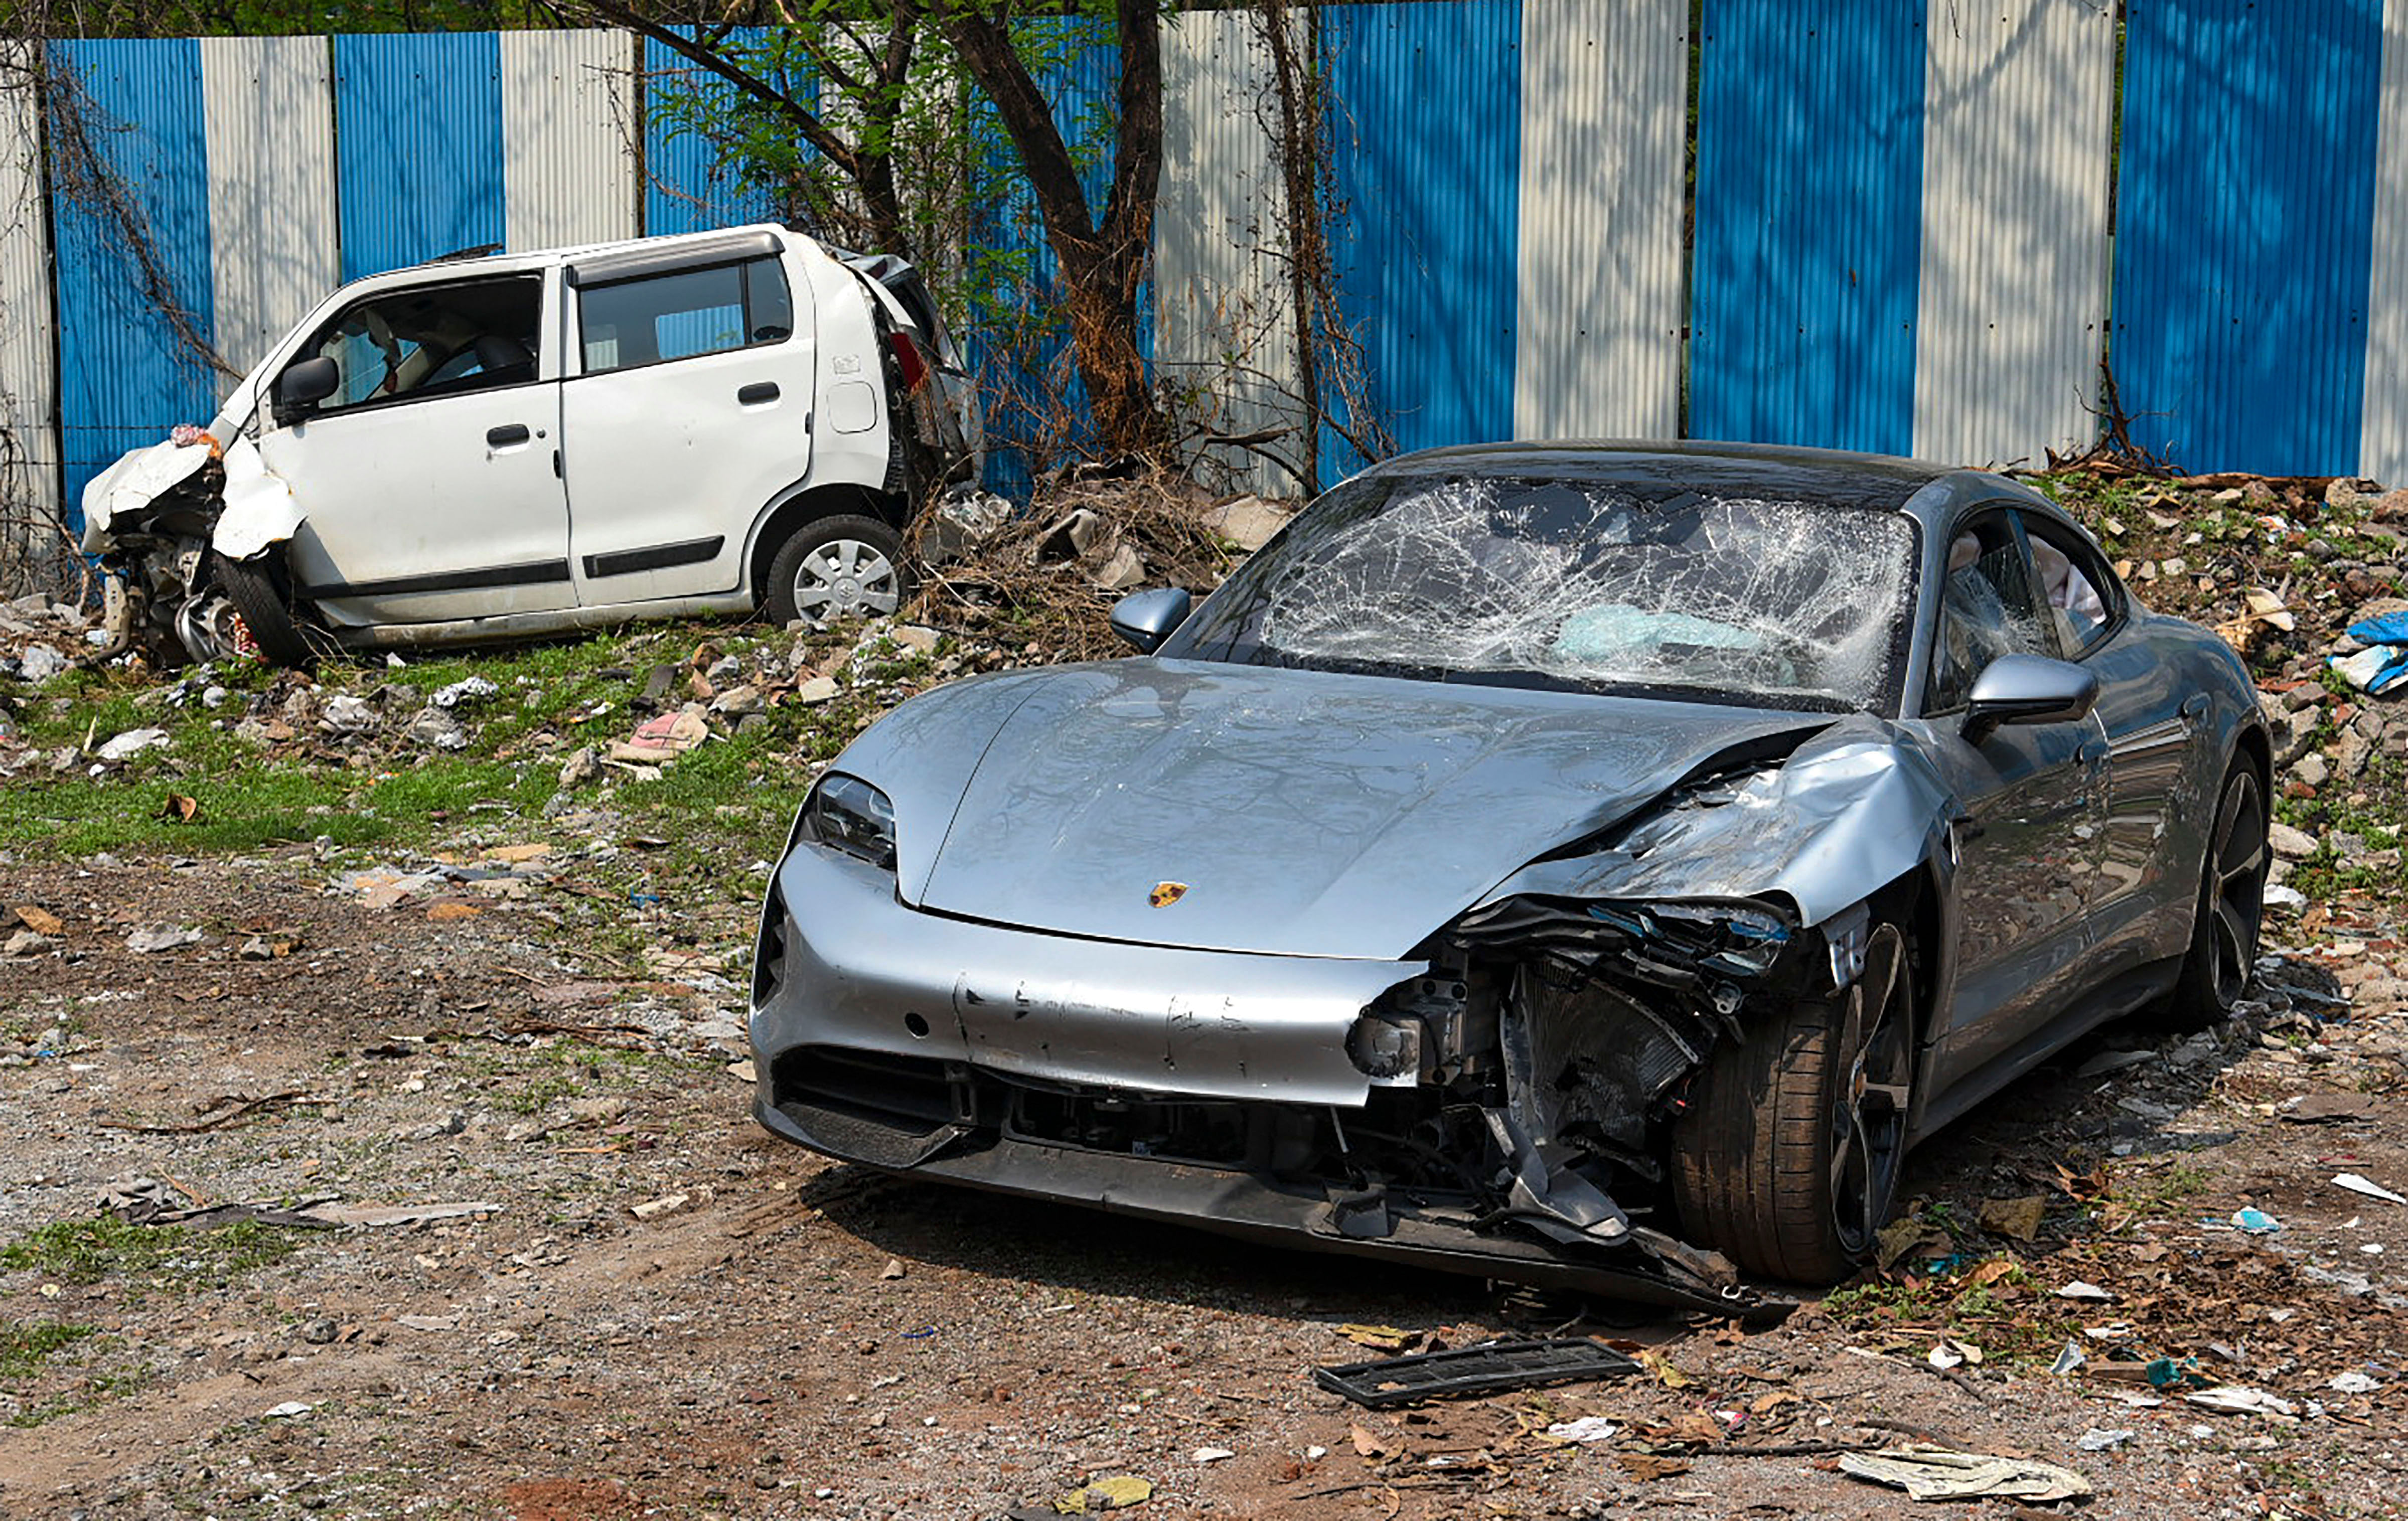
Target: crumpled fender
{"x":1851,"y":810}
{"x":140,"y":476}
{"x":260,"y":508}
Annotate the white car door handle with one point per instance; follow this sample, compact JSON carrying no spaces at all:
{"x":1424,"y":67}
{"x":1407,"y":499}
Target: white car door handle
{"x":758,"y":393}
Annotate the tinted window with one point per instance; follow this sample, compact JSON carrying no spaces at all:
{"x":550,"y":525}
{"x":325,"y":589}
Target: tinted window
{"x":1591,"y":585}
{"x":679,"y":315}
{"x":432,"y":340}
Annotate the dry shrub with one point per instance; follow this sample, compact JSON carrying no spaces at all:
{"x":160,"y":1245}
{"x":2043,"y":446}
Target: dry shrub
{"x":1026,"y":586}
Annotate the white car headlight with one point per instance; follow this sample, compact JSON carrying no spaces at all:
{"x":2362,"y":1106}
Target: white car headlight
{"x":846,"y":813}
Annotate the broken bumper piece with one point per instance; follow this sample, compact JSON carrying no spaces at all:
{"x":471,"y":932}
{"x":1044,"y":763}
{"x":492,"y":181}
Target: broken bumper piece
{"x":1236,"y":1093}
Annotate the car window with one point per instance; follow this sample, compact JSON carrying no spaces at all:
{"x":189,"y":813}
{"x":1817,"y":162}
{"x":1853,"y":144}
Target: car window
{"x":1700,"y":592}
{"x":684,"y":313}
{"x":2075,"y":587}
{"x":432,"y":340}
{"x":1989,"y":607}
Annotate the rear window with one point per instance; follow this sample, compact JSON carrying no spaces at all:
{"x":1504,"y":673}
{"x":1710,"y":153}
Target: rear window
{"x":679,"y":315}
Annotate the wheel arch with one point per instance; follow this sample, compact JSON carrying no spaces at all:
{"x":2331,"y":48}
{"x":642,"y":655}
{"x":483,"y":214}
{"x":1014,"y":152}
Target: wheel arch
{"x":798,"y":505}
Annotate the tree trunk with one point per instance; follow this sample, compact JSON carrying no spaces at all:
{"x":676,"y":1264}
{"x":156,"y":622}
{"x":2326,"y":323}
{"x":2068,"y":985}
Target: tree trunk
{"x":1102,"y":267}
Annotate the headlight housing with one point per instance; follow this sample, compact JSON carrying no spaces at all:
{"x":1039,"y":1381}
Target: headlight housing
{"x":846,"y":813}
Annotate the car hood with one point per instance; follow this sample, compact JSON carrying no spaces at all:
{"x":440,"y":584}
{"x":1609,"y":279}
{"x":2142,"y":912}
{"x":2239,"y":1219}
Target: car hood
{"x":1298,"y":812}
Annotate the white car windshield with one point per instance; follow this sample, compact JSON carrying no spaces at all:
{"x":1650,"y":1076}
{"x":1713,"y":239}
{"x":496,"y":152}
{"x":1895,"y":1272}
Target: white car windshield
{"x":1580,"y":584}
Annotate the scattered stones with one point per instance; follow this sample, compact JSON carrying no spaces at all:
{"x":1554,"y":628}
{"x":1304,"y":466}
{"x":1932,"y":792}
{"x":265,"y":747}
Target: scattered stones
{"x":436,"y":727}
{"x":38,"y":663}
{"x":348,"y":714}
{"x":581,"y":767}
{"x":817,"y":690}
{"x":2291,"y":843}
{"x":153,"y":938}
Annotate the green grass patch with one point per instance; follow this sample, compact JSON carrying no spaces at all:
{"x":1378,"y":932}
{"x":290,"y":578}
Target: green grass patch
{"x":170,"y":1257}
{"x":23,"y":1344}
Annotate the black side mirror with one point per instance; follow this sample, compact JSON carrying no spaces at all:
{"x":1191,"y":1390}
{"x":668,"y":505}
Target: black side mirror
{"x":2027,"y":689}
{"x":1144,"y":619}
{"x":302,"y":386}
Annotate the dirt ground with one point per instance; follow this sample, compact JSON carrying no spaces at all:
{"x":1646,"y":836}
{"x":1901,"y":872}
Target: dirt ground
{"x":663,"y":1311}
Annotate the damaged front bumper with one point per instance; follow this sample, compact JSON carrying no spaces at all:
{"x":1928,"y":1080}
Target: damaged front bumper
{"x":1347,"y":1106}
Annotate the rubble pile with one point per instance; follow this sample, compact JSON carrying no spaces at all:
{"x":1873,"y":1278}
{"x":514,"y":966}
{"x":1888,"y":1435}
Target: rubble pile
{"x":1045,"y":581}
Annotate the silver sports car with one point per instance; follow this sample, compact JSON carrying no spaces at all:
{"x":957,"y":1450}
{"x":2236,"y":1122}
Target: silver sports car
{"x":1588,"y":864}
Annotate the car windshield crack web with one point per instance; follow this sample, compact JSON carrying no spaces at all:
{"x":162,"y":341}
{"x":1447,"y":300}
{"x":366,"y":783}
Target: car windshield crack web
{"x":1578,"y":583}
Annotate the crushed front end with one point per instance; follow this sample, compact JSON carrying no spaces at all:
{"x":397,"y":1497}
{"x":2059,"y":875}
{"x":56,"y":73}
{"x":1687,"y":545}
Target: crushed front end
{"x":1497,"y":1104}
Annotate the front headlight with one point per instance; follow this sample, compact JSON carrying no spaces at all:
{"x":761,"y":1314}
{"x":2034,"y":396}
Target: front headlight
{"x":848,"y":814}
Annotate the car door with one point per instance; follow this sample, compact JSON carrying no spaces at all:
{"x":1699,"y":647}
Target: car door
{"x":428,"y":478}
{"x":2139,"y":911}
{"x":692,"y":410}
{"x":2027,"y":845}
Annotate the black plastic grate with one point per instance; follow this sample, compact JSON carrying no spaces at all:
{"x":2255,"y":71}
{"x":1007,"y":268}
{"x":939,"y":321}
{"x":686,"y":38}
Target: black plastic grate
{"x":1485,"y":1369}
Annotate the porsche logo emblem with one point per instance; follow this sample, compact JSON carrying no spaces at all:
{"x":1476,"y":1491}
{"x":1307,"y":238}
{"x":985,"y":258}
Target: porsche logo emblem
{"x":1167,"y":893}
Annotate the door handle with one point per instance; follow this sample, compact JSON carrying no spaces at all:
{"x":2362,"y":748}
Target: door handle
{"x":506,"y":434}
{"x":2194,"y":708}
{"x":757,"y":393}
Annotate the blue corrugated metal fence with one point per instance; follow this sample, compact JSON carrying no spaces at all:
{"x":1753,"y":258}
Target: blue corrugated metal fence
{"x":2244,"y":286}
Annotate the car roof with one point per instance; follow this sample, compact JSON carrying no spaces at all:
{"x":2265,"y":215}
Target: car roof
{"x":1880,"y":481}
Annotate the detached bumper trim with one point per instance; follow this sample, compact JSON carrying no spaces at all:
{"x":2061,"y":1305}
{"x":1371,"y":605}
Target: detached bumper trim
{"x":1239,"y":1204}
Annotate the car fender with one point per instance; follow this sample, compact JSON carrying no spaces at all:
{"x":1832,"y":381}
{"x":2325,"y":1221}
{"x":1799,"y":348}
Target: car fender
{"x":260,"y":508}
{"x":138,"y":477}
{"x":1850,"y":811}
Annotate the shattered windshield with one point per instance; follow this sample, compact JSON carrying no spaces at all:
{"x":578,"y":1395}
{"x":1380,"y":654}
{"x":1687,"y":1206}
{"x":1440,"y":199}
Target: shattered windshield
{"x":1578,"y":583}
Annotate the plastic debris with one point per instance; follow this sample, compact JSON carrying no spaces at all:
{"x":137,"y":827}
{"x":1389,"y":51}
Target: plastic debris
{"x":1485,"y":1369}
{"x":2382,"y":665}
{"x":470,"y":690}
{"x":2068,"y":1358}
{"x":1213,"y":1455}
{"x":1586,"y":1429}
{"x":286,"y":1411}
{"x":2371,"y":1189}
{"x":2353,"y":1382}
{"x":2242,"y":1399}
{"x":1119,"y":1492}
{"x":2078,"y":1289}
{"x":653,"y":1208}
{"x":2100,"y":1440}
{"x":2256,"y":1221}
{"x":1940,"y":1474}
{"x":133,"y":743}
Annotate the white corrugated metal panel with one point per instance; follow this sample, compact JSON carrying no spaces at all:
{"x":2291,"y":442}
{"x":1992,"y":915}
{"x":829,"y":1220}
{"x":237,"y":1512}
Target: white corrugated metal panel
{"x":28,"y":365}
{"x":1223,"y":318}
{"x":2383,"y":425}
{"x":1604,"y":94}
{"x":568,"y":127}
{"x":2012,"y":315}
{"x":268,"y":106}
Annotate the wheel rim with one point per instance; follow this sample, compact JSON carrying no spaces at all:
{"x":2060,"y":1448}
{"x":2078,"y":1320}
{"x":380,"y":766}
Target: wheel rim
{"x":1867,"y":1126}
{"x":846,"y":578}
{"x":2236,"y":887}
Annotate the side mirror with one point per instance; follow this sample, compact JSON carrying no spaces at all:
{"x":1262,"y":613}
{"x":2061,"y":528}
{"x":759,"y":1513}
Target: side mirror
{"x":1144,"y":619}
{"x":2027,"y":689}
{"x":302,"y":386}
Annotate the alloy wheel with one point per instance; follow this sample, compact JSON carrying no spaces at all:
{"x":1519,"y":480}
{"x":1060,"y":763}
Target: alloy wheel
{"x":1874,"y":1083}
{"x":846,"y":578}
{"x":2236,"y":893}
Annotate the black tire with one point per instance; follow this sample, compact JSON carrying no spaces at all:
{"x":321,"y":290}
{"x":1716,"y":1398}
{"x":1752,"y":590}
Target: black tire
{"x":257,"y":590}
{"x":1788,"y":1159}
{"x":845,"y":565}
{"x":2231,"y":906}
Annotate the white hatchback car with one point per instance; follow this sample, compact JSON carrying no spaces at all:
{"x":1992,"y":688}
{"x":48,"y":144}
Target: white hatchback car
{"x":491,"y":446}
